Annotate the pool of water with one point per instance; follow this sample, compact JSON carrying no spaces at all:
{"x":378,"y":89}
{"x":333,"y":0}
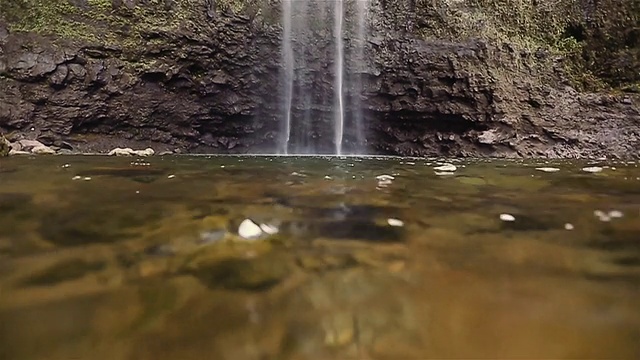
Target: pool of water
{"x":318,"y":258}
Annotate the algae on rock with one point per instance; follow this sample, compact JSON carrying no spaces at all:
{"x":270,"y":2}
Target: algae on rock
{"x":5,"y":146}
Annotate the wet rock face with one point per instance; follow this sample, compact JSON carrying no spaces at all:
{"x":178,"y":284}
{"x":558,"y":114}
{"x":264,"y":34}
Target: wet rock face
{"x":205,"y":78}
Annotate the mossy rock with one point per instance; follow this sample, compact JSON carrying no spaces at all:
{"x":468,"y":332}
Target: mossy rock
{"x":64,"y":271}
{"x":258,"y":274}
{"x":5,"y":146}
{"x":601,"y":41}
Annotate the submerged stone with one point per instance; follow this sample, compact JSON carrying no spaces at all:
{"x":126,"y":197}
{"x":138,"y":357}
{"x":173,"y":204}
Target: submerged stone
{"x":446,"y":168}
{"x":257,"y":274}
{"x":212,"y":237}
{"x":362,"y":230}
{"x":548,"y":169}
{"x":592,"y":169}
{"x":249,"y":230}
{"x":507,"y":217}
{"x":395,"y":222}
{"x":64,"y":271}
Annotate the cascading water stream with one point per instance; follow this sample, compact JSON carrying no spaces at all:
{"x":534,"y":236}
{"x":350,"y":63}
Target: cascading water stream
{"x":339,"y":76}
{"x":288,"y":61}
{"x":321,"y":116}
{"x":362,"y":11}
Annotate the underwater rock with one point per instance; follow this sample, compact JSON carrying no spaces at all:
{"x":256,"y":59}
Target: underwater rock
{"x":548,"y":169}
{"x":446,"y":168}
{"x":212,"y":236}
{"x":249,"y":230}
{"x":64,"y":271}
{"x":395,"y":222}
{"x":244,"y":274}
{"x":507,"y":217}
{"x":592,"y":169}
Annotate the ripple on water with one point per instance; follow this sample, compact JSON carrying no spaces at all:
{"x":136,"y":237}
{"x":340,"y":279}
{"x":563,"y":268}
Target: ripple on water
{"x":424,"y":268}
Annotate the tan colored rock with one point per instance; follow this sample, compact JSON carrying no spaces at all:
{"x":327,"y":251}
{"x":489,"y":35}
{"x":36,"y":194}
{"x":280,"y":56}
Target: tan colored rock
{"x":18,"y":152}
{"x":43,"y":150}
{"x":131,"y":152}
{"x":16,"y":146}
{"x":28,"y":145}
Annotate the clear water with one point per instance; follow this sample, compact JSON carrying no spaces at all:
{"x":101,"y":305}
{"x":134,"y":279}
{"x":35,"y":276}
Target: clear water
{"x":141,"y":259}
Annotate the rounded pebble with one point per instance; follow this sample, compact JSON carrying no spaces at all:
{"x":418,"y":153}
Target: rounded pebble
{"x":446,"y":168}
{"x":269,"y":229}
{"x":615,"y":214}
{"x":384,"y":177}
{"x":548,"y":169}
{"x":249,"y":230}
{"x":602,"y":216}
{"x":395,"y":222}
{"x":592,"y":169}
{"x":507,"y":217}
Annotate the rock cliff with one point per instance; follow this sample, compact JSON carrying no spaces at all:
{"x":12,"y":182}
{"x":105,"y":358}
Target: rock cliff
{"x":514,"y":78}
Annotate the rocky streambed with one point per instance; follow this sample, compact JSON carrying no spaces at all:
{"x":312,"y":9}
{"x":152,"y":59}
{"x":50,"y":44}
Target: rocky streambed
{"x":249,"y":257}
{"x":464,"y":78}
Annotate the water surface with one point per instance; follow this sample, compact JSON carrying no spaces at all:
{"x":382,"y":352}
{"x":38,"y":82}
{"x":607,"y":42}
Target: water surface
{"x":356,"y":258}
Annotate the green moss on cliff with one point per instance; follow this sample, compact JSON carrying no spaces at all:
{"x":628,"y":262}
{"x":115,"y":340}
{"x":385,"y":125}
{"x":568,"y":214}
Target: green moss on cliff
{"x":525,"y":23}
{"x":599,"y":40}
{"x":97,"y":20}
{"x":57,"y":17}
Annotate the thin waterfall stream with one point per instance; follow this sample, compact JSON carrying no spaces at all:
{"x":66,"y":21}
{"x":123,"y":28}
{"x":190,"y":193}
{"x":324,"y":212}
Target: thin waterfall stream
{"x":339,"y":61}
{"x":320,"y":35}
{"x":287,"y":60}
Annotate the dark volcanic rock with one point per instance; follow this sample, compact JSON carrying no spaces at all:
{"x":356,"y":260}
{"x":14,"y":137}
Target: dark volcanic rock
{"x":204,"y":76}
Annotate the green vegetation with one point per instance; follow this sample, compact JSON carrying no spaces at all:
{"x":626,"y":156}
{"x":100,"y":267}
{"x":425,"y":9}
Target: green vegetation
{"x":5,"y":147}
{"x":97,"y":21}
{"x":525,"y":23}
{"x":56,"y":17}
{"x":600,"y":41}
{"x":131,"y":29}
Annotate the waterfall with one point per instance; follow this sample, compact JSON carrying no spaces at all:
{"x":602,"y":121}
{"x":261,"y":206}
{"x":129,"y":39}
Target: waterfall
{"x":362,"y":11}
{"x":323,"y":53}
{"x":288,"y":62}
{"x":339,"y":62}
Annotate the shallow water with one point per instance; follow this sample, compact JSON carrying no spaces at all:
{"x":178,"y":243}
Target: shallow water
{"x":125,"y":258}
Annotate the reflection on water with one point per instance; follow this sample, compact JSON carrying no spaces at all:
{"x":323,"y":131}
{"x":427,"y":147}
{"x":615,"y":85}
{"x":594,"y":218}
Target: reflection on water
{"x":317,"y":258}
